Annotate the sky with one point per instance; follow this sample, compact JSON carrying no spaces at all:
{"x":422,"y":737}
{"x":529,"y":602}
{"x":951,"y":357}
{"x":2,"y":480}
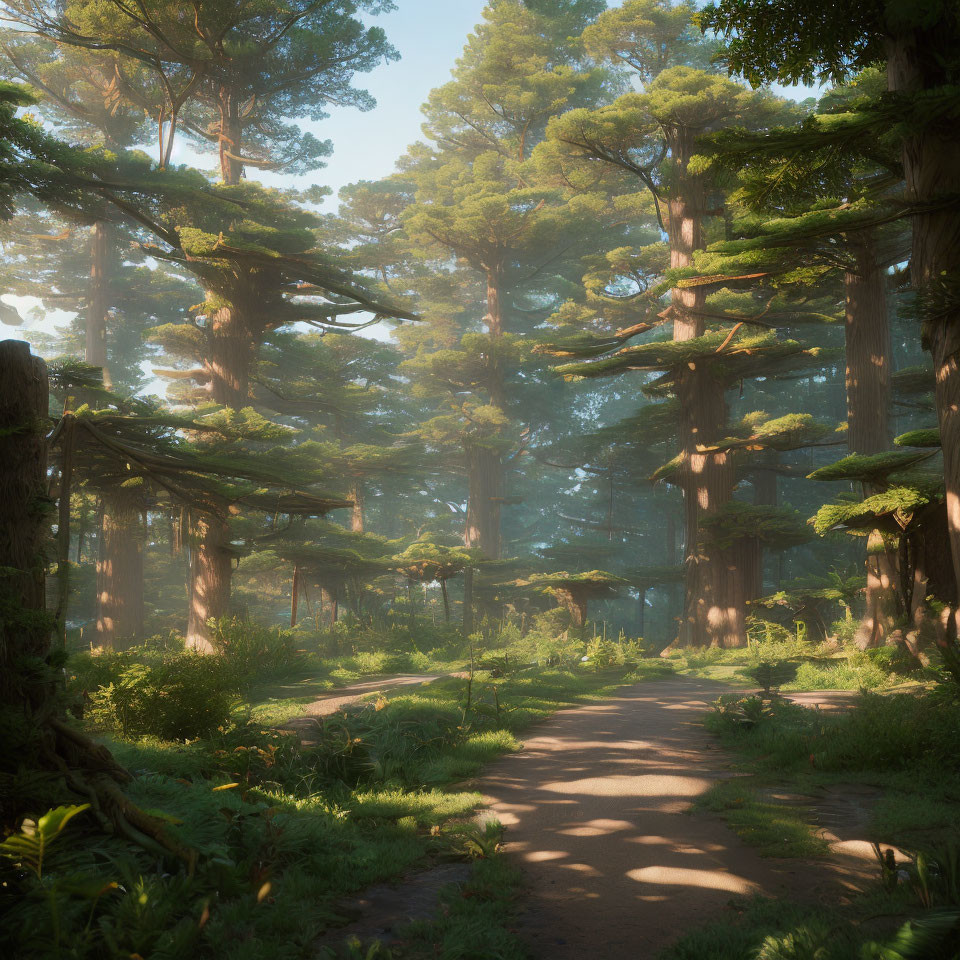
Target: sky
{"x":429,"y":34}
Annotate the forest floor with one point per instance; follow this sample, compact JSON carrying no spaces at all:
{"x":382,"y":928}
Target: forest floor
{"x":599,"y":811}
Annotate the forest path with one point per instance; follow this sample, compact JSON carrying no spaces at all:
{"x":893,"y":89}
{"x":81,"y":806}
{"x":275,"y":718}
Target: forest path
{"x":306,"y":722}
{"x":596,"y":809}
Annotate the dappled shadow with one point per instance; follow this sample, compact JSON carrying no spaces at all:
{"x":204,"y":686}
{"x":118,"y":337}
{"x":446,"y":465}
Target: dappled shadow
{"x":597,"y":807}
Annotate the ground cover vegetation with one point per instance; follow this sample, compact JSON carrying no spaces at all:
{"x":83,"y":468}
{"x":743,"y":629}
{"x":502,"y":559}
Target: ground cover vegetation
{"x":659,"y":376}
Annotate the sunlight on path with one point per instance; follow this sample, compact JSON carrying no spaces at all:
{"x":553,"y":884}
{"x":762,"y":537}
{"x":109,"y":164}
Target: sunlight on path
{"x":597,"y":812}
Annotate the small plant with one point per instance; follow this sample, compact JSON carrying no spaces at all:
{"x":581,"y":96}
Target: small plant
{"x":771,"y":675}
{"x":476,"y":841}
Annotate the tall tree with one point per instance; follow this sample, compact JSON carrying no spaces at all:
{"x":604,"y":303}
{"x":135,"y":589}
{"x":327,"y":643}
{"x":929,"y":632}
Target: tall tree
{"x":798,"y":41}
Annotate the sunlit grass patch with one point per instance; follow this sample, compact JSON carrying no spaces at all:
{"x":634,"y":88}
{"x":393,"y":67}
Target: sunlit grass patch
{"x":775,"y":829}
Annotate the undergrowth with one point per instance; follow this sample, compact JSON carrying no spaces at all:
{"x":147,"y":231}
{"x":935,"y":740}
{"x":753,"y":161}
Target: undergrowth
{"x":279,"y":831}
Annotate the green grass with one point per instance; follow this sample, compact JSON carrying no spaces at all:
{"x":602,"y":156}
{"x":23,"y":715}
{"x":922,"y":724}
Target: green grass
{"x":904,"y":744}
{"x":282,"y":832}
{"x":775,"y":829}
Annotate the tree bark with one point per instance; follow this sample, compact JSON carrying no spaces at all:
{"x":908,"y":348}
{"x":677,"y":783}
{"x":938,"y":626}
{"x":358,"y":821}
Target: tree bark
{"x":711,"y":615}
{"x":446,"y":601}
{"x":868,"y":421}
{"x":483,"y":504}
{"x":120,"y":611}
{"x":575,"y":602}
{"x":23,"y":494}
{"x":230,"y":350}
{"x":210,"y":569}
{"x":103,"y":254}
{"x":231,"y":139}
{"x":295,"y":595}
{"x":917,"y":62}
{"x":356,"y":513}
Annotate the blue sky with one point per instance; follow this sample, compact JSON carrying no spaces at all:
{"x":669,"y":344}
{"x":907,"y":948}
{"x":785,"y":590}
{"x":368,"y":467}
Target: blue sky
{"x":430,"y":35}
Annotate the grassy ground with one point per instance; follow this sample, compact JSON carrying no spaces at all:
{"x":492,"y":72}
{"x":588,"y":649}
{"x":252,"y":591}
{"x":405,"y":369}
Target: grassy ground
{"x":903,"y":745}
{"x":281,"y":832}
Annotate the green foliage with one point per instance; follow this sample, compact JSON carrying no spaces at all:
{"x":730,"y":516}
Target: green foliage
{"x":775,"y":829}
{"x":29,"y":847}
{"x":178,"y":697}
{"x":252,"y":652}
{"x":930,"y":437}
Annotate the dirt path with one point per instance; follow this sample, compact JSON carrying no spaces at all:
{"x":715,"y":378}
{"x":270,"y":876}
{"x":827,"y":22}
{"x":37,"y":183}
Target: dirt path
{"x":596,"y":810}
{"x":344,"y":696}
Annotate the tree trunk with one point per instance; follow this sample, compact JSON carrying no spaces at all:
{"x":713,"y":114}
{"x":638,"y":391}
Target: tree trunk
{"x":356,"y":514}
{"x":446,"y":601}
{"x":210,"y":569}
{"x":714,"y":613}
{"x":868,"y":424}
{"x":25,"y":633}
{"x":711,"y":617}
{"x":919,"y":62}
{"x":328,"y":597}
{"x":483,"y":503}
{"x":229,"y":355}
{"x":103,"y":255}
{"x":295,"y":595}
{"x":575,"y":602}
{"x":468,"y":601}
{"x":231,"y":139}
{"x":867,"y":352}
{"x":120,"y":574}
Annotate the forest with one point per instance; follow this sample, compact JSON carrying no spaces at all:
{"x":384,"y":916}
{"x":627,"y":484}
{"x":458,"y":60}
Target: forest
{"x":547,"y":549}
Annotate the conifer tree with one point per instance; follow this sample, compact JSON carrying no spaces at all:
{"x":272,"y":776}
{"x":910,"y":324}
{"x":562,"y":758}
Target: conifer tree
{"x":797,"y":42}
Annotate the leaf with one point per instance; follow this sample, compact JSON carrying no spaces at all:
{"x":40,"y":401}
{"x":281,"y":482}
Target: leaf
{"x":29,"y":847}
{"x":226,"y":786}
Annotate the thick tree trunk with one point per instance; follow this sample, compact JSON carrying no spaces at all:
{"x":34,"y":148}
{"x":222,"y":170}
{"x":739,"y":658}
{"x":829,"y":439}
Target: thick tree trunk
{"x":714,"y":612}
{"x":483,"y":504}
{"x":120,"y":574}
{"x":867,"y":352}
{"x":711,"y":615}
{"x":868,"y":421}
{"x":210,"y":569}
{"x":229,"y":355}
{"x":103,"y":254}
{"x":916,"y":63}
{"x":329,"y":599}
{"x":25,"y":634}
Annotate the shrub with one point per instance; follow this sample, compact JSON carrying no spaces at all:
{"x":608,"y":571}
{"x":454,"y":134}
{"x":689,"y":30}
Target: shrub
{"x":178,"y":697}
{"x":253,"y":652}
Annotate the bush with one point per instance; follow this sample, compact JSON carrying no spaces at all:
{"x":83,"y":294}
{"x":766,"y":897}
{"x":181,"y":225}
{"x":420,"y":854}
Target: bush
{"x":178,"y":697}
{"x":253,"y":652}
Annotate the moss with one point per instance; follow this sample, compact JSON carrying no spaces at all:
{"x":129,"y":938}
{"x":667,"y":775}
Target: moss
{"x":930,"y":437}
{"x":868,"y":468}
{"x":867,"y":513}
